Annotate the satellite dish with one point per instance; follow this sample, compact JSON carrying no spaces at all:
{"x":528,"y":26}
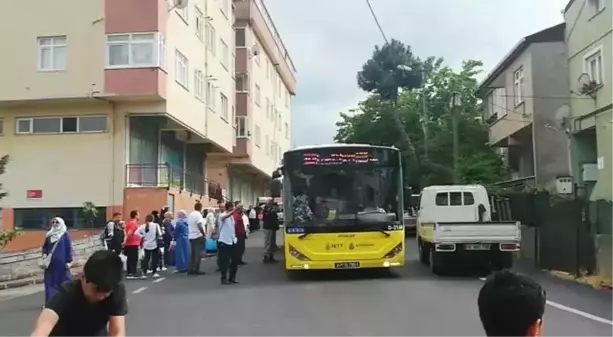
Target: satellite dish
{"x":255,"y":50}
{"x":583,"y":81}
{"x":179,"y":4}
{"x":562,"y":116}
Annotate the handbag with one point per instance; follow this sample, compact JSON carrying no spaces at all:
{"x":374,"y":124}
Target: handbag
{"x":210,"y":246}
{"x":45,"y":261}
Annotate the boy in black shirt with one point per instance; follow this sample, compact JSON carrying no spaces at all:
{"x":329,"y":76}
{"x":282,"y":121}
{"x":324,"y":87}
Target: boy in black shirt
{"x":85,"y":306}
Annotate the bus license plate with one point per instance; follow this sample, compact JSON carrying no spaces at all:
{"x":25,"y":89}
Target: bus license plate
{"x":477,"y":246}
{"x":346,"y":265}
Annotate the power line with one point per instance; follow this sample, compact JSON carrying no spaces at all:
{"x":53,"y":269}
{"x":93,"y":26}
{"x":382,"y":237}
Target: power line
{"x":374,"y":16}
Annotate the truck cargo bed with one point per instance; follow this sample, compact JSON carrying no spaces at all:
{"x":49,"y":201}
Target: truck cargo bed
{"x":477,"y":231}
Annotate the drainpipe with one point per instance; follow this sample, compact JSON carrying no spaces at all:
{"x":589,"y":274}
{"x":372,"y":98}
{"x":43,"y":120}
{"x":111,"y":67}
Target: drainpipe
{"x":206,"y":70}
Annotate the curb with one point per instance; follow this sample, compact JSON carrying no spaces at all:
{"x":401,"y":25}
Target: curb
{"x":38,"y":279}
{"x":596,"y":282}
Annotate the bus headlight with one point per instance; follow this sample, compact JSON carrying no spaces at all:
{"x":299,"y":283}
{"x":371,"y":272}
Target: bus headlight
{"x":394,"y":251}
{"x":298,"y":255}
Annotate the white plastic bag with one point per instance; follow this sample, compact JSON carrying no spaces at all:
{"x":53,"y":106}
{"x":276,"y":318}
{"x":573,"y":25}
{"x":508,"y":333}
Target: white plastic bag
{"x":141,"y":254}
{"x":124,"y":260}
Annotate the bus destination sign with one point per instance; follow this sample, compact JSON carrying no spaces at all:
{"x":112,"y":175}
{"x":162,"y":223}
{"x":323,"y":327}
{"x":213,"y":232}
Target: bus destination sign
{"x":329,"y":159}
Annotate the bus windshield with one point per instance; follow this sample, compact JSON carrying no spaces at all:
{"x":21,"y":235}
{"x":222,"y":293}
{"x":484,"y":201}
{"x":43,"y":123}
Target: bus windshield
{"x":338,"y":196}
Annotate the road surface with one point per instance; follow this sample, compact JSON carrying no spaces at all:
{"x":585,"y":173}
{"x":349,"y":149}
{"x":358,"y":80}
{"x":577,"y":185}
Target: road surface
{"x":408,"y":302}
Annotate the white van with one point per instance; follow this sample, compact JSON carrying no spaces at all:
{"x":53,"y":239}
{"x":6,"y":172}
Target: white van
{"x":454,"y":227}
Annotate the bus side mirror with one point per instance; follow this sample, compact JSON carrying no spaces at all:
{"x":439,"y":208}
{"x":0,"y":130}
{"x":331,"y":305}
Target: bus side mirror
{"x":275,"y":188}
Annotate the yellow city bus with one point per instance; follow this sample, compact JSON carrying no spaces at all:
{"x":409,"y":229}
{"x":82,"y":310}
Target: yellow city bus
{"x":343,"y":207}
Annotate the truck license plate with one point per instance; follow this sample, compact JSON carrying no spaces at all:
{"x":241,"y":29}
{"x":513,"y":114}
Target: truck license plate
{"x":346,"y":265}
{"x":477,"y":246}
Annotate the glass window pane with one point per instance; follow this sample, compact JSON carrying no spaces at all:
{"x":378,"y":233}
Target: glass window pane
{"x":142,"y":53}
{"x":46,"y":125}
{"x":118,"y":38}
{"x":69,"y":124}
{"x":23,"y":125}
{"x":60,"y":40}
{"x":92,"y":124}
{"x":118,"y":54}
{"x":455,"y":199}
{"x":59,"y":58}
{"x":442,"y":199}
{"x":469,"y":198}
{"x":45,"y":58}
{"x":240,"y":37}
{"x":143,"y":37}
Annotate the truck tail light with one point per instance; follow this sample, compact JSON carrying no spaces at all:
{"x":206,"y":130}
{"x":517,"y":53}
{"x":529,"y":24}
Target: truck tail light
{"x":509,"y":247}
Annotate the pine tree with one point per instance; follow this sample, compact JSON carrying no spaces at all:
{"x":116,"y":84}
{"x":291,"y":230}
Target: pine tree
{"x":5,"y":236}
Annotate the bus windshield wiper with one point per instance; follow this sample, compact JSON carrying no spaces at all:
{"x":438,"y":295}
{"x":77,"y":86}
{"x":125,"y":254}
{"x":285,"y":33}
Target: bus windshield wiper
{"x":387,"y":235}
{"x":304,"y":235}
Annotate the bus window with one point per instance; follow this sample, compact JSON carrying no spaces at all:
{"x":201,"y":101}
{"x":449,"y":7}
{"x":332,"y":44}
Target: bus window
{"x":442,"y":199}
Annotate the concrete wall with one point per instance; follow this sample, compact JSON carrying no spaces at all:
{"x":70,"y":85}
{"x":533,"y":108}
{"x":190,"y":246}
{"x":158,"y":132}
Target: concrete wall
{"x":25,"y":264}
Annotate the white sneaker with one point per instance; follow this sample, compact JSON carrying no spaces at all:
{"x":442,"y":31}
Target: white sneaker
{"x":156,"y":275}
{"x":164,"y":269}
{"x":149,"y":271}
{"x":143,"y":277}
{"x":130,"y":277}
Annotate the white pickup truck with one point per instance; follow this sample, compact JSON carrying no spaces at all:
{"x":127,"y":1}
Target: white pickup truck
{"x":454,"y":228}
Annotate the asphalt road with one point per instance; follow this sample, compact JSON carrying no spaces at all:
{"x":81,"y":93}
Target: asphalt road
{"x":409,"y":301}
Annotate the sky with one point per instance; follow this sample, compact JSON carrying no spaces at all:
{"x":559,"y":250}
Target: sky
{"x":329,"y":40}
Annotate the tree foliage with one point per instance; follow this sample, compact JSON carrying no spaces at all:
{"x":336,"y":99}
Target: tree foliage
{"x":5,"y":236}
{"x":373,"y":122}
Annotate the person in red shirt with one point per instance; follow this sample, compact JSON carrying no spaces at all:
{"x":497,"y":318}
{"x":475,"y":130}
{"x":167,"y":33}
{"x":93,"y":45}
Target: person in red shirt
{"x":131,"y":245}
{"x":241,"y":233}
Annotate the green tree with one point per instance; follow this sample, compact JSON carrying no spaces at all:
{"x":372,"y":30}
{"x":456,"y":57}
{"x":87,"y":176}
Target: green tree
{"x":5,"y":236}
{"x":392,"y":69}
{"x":372,"y":122}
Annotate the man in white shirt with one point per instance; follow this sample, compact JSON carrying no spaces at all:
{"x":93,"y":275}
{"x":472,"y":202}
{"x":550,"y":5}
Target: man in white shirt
{"x":197,"y":238}
{"x":226,"y":246}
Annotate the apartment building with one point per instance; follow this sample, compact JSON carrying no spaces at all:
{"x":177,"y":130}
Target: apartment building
{"x":128,"y":105}
{"x":525,"y":105}
{"x":265,"y":84}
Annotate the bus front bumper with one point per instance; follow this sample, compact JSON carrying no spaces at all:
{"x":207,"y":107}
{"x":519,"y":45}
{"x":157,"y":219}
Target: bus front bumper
{"x":344,"y":265}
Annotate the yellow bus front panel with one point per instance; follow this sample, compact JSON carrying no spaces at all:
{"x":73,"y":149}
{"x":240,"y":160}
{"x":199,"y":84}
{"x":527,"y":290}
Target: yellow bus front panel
{"x":344,"y":250}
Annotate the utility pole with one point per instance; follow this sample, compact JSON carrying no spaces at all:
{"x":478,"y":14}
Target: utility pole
{"x":454,"y":104}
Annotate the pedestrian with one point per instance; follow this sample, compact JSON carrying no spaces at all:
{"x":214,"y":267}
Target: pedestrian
{"x":511,"y":305}
{"x":168,"y":229}
{"x":253,"y":219}
{"x":271,"y":226}
{"x":226,"y":245}
{"x":131,"y":245}
{"x":181,"y":246}
{"x":114,"y":234}
{"x":150,"y":232}
{"x":240,"y":232}
{"x":57,"y":258}
{"x":197,"y":239}
{"x":95,"y":304}
{"x":218,"y":212}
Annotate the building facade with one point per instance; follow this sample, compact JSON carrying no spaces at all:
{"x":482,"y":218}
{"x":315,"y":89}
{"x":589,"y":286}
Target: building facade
{"x":525,"y":106}
{"x":128,"y":105}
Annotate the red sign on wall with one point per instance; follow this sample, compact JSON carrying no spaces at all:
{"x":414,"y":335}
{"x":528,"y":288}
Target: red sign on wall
{"x":34,"y":194}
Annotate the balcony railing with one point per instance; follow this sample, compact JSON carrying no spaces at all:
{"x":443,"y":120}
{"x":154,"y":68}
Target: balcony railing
{"x":167,"y":176}
{"x":259,"y":4}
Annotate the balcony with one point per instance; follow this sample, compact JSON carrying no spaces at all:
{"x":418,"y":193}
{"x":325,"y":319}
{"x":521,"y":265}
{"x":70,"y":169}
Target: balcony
{"x":168,"y":176}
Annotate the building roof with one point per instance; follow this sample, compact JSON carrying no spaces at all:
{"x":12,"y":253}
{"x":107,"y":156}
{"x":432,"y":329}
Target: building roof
{"x":551,"y":34}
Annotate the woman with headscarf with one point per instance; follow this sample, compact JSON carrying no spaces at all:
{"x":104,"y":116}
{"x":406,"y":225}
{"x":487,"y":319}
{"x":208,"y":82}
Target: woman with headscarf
{"x":168,"y":229}
{"x":181,"y":244}
{"x":57,"y":258}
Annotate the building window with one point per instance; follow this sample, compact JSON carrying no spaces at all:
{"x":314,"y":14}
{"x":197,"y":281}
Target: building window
{"x":595,"y":6}
{"x":286,"y":98}
{"x":52,"y":53}
{"x":258,"y":136}
{"x":242,"y":127}
{"x":211,"y":97}
{"x":224,"y":107}
{"x":199,"y":84}
{"x":183,"y":13}
{"x":240,"y":37}
{"x":224,"y":5}
{"x":257,"y":95}
{"x":593,"y":66}
{"x":242,"y":82}
{"x":211,"y":39}
{"x":162,"y":51}
{"x":135,"y":50}
{"x":39,"y":218}
{"x":518,"y":86}
{"x":181,"y":69}
{"x":286,"y":131}
{"x":257,"y":57}
{"x":199,"y":26}
{"x":267,"y":145}
{"x":49,"y":125}
{"x":225,"y":54}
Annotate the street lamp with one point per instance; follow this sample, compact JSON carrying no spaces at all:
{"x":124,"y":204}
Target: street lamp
{"x":454,"y":104}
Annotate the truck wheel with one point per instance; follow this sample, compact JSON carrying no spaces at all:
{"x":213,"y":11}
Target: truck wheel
{"x":503,"y":260}
{"x":424,"y":252}
{"x":436,"y":263}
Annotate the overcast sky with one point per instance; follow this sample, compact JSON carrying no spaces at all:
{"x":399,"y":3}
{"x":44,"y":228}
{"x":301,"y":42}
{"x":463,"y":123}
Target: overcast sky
{"x":329,"y":40}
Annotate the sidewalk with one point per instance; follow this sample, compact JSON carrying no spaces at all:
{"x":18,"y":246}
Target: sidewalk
{"x":35,"y":279}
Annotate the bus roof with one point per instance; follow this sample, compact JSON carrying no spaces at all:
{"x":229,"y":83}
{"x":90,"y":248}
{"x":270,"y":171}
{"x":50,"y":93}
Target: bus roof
{"x":323,"y":146}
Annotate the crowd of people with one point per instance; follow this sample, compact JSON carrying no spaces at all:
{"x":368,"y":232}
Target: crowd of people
{"x":96,"y":304}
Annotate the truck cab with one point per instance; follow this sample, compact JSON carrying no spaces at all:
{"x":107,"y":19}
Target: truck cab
{"x":454,"y":227}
